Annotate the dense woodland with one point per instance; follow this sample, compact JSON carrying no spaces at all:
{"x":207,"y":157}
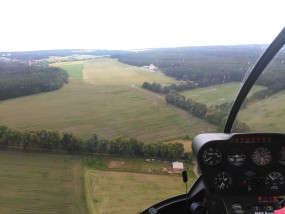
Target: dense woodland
{"x":52,"y":140}
{"x":17,"y":79}
{"x":203,"y":66}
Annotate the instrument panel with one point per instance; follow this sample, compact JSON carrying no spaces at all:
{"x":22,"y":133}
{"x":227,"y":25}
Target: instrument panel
{"x":250,"y":163}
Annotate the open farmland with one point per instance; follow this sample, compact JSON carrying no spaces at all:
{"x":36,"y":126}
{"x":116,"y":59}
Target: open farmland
{"x":217,"y":94}
{"x":74,"y":69}
{"x":266,"y":115}
{"x":41,"y":183}
{"x":128,"y":193}
{"x":112,"y":72}
{"x":110,"y":183}
{"x":109,"y":107}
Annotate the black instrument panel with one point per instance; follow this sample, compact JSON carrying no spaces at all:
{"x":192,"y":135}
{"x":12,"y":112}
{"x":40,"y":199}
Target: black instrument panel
{"x":242,"y":164}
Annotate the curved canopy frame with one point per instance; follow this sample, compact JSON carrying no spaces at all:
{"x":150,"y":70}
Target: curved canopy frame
{"x":259,"y":67}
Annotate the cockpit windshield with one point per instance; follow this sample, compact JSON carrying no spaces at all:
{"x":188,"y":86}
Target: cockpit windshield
{"x":263,"y":109}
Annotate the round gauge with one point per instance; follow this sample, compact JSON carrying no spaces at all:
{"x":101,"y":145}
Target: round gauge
{"x":212,"y":156}
{"x":238,"y":208}
{"x":223,"y":181}
{"x":236,"y":157}
{"x":274,"y":181}
{"x":261,"y":156}
{"x":282,"y":156}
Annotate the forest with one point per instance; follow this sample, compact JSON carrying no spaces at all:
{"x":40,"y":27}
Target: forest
{"x":17,"y":79}
{"x":197,"y":67}
{"x":203,"y":65}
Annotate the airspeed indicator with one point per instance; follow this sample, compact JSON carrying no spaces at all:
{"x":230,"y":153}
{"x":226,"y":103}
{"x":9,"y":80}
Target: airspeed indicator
{"x":212,"y":156}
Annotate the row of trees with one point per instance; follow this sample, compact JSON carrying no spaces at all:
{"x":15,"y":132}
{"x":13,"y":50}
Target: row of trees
{"x":158,"y":88}
{"x":18,"y":79}
{"x":51,"y":140}
{"x":214,"y":114}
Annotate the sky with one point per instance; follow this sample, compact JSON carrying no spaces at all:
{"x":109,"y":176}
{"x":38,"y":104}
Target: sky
{"x":135,"y":24}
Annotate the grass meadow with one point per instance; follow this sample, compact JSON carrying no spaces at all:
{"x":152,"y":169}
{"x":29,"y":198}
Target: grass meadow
{"x":217,"y":94}
{"x":128,"y":193}
{"x":108,"y":107}
{"x":41,"y":183}
{"x":266,"y":115}
{"x":111,"y":72}
{"x":128,"y":185}
{"x":63,"y":184}
{"x":73,"y":68}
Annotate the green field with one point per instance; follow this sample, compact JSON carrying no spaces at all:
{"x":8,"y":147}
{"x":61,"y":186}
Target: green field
{"x":54,"y":183}
{"x":74,"y":69}
{"x":112,"y":72}
{"x":117,"y":108}
{"x":41,"y":183}
{"x":111,"y":183}
{"x":128,"y":193}
{"x":217,"y":94}
{"x":266,"y":115}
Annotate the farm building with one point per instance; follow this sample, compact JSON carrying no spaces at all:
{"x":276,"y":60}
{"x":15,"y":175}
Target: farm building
{"x":177,"y":166}
{"x":151,"y":68}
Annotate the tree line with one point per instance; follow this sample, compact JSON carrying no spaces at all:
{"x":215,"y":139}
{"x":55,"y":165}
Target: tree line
{"x":52,"y":140}
{"x":214,"y":114}
{"x":273,"y":79}
{"x":203,"y":66}
{"x":158,"y":88}
{"x":18,"y":79}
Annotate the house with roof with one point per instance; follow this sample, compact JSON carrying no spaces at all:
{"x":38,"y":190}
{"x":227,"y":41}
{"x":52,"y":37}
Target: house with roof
{"x":177,"y":166}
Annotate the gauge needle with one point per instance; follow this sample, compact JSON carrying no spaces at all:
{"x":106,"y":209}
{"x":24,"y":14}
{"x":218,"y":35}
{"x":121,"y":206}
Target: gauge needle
{"x":270,"y":176}
{"x":209,"y":159}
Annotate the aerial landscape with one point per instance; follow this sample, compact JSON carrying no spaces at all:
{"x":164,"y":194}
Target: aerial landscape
{"x":100,"y":101}
{"x":105,"y":119}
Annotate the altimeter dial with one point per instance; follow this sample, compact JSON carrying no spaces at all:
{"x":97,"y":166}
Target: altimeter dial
{"x":223,"y":181}
{"x":212,"y":156}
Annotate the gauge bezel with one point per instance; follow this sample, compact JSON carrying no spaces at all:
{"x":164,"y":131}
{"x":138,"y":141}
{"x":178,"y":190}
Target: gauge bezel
{"x":213,"y":160}
{"x":270,"y":182}
{"x":257,"y":153}
{"x":225,"y":178}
